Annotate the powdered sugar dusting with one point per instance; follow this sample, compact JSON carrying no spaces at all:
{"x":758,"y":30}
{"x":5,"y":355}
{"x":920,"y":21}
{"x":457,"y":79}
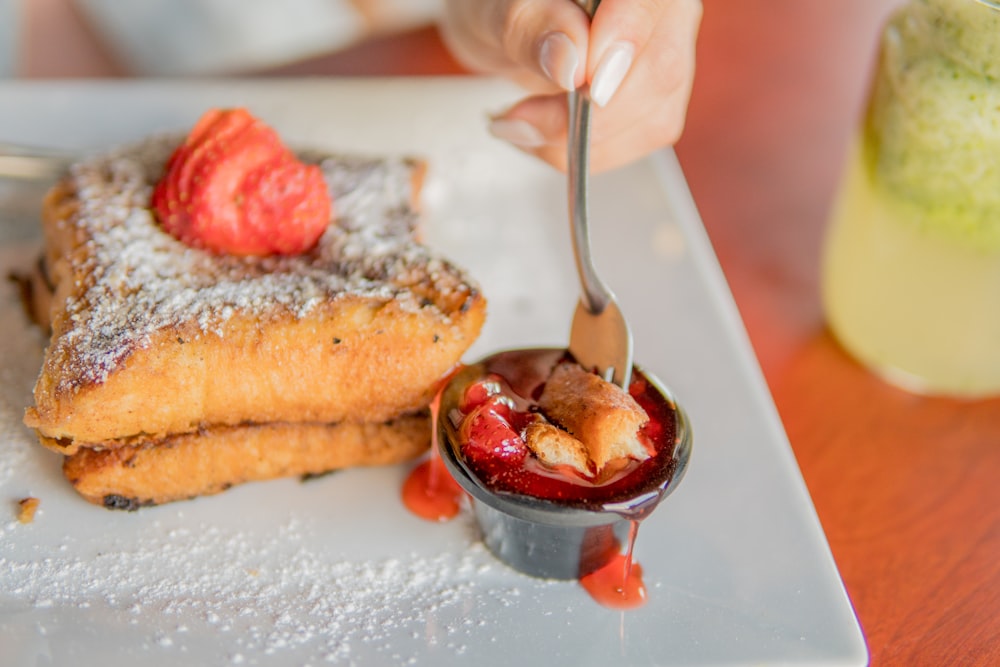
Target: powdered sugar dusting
{"x":136,"y":280}
{"x":261,"y":596}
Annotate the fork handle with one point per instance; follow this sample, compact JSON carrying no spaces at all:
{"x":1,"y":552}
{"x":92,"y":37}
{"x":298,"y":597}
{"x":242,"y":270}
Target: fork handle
{"x":596,"y":294}
{"x":32,"y":163}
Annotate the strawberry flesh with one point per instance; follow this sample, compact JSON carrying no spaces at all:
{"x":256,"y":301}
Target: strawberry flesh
{"x":488,"y":439}
{"x":233,"y":187}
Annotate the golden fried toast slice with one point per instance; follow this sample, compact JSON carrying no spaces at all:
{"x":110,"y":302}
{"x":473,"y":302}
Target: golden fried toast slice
{"x":196,"y":464}
{"x":151,"y":337}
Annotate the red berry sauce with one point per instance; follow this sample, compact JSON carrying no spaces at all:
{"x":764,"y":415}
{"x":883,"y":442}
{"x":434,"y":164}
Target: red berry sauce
{"x":493,"y":412}
{"x":619,"y":583}
{"x":431,"y":493}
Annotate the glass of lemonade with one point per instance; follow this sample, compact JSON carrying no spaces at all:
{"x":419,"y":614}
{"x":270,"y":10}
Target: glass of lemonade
{"x":911,"y":270}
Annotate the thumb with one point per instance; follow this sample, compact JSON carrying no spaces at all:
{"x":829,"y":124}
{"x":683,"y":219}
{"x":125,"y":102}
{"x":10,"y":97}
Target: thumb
{"x":541,"y":44}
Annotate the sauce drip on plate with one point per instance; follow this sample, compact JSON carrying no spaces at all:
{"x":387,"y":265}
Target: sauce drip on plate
{"x":431,"y":493}
{"x":619,"y":583}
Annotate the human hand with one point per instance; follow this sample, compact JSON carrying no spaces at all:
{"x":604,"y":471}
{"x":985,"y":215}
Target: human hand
{"x":637,"y":56}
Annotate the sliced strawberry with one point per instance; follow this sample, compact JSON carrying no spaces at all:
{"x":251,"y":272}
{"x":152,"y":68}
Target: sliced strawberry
{"x":218,"y":123}
{"x":477,"y":393}
{"x":286,"y":190}
{"x":233,"y":187}
{"x":218,"y":195}
{"x":489,"y":440}
{"x":216,"y":140}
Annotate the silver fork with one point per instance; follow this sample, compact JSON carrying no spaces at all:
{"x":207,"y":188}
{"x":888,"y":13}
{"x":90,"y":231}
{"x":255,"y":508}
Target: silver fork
{"x":32,"y":163}
{"x":600,"y":338}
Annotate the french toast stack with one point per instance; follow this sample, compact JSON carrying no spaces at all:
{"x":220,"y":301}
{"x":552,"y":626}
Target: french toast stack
{"x":173,"y":372}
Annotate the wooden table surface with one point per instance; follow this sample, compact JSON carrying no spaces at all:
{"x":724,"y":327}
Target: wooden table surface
{"x":907,"y":488}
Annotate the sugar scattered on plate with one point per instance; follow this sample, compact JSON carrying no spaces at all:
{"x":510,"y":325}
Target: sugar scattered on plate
{"x":284,"y":598}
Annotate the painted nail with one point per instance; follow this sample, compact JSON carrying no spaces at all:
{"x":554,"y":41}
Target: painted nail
{"x":611,"y":72}
{"x":559,"y":60}
{"x":517,"y":132}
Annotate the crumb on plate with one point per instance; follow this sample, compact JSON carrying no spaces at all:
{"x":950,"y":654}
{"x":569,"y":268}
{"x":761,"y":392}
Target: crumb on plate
{"x":26,"y":509}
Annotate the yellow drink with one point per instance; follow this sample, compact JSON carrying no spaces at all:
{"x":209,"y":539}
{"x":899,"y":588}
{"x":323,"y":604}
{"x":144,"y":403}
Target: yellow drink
{"x":911,"y":276}
{"x":920,"y":308}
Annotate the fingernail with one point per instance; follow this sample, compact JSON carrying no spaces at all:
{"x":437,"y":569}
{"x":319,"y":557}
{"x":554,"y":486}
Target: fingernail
{"x":517,"y":132}
{"x":559,"y":60}
{"x":611,"y":72}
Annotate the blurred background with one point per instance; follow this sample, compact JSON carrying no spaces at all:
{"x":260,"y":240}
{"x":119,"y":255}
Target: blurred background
{"x":100,"y":38}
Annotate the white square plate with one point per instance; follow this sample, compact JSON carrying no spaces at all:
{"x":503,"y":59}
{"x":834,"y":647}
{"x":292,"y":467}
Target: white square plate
{"x":335,"y":569}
